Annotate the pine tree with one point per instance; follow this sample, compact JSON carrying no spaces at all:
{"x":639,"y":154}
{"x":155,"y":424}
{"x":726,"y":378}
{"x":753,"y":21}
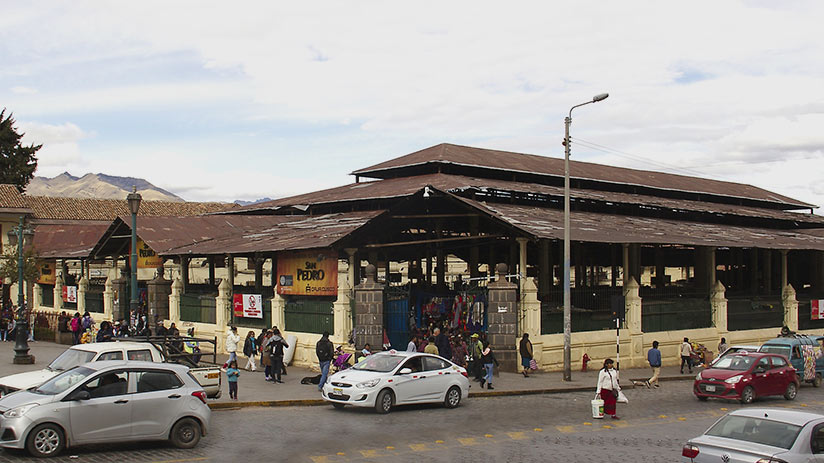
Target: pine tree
{"x":17,"y":162}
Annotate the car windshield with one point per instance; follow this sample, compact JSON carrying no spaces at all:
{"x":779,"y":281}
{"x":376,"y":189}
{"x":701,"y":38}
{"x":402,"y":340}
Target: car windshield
{"x":734,"y":362}
{"x":783,"y":350}
{"x":70,"y":359}
{"x":64,"y":381}
{"x":381,"y":363}
{"x":757,"y":430}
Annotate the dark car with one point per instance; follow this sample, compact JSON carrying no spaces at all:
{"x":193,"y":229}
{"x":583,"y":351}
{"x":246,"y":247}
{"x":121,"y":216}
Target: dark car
{"x":745,"y":376}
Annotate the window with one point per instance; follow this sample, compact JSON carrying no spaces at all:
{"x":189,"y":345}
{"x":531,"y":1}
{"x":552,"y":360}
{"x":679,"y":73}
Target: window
{"x":778,"y":362}
{"x":433,"y":363}
{"x":763,"y":364}
{"x":817,"y":440}
{"x":114,"y":355}
{"x":107,"y":385}
{"x":149,"y":381}
{"x":760,"y":431}
{"x":413,"y":364}
{"x":143,"y":355}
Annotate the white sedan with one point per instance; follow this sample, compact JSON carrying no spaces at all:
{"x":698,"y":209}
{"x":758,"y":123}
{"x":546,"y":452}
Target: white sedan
{"x":391,"y":378}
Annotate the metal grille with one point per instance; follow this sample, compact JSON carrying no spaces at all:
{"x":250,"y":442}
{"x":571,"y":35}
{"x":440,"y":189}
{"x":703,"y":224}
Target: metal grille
{"x":749,"y":313}
{"x":48,"y":295}
{"x":591,"y":309}
{"x":94,"y":299}
{"x":688,"y":311}
{"x":198,"y":308}
{"x":310,"y":315}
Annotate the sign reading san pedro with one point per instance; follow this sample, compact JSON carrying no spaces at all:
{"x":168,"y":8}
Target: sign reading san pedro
{"x":310,"y":273}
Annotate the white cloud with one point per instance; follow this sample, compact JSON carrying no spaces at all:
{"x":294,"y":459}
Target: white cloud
{"x":21,"y":90}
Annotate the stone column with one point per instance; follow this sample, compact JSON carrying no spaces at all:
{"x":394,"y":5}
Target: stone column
{"x":279,"y":312}
{"x":174,"y":301}
{"x":58,"y":292}
{"x":108,"y":300}
{"x":633,"y":307}
{"x":530,"y":310}
{"x":159,"y":290}
{"x":37,"y":296}
{"x":82,"y":289}
{"x":342,"y":307}
{"x":223,"y":307}
{"x":369,"y":310}
{"x":121,"y":301}
{"x":503,"y":319}
{"x":718,"y":302}
{"x":790,"y":303}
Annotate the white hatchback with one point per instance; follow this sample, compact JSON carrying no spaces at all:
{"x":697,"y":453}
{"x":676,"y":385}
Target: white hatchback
{"x":391,"y":378}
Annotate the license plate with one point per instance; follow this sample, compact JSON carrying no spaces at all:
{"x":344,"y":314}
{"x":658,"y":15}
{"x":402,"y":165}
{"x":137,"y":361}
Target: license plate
{"x":212,"y":375}
{"x":337,"y":391}
{"x":710,"y":388}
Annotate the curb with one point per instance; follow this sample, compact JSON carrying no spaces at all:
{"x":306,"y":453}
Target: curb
{"x":316,"y":402}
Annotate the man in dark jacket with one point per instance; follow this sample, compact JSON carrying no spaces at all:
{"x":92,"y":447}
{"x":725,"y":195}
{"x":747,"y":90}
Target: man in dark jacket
{"x":444,"y":346}
{"x":324,"y":350}
{"x":277,"y":344}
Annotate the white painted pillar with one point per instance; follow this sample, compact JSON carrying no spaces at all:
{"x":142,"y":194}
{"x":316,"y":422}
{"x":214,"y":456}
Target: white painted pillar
{"x":82,"y":289}
{"x":58,"y":291}
{"x":108,"y":299}
{"x":174,"y":301}
{"x":790,"y":303}
{"x":342,"y":308}
{"x":718,"y":302}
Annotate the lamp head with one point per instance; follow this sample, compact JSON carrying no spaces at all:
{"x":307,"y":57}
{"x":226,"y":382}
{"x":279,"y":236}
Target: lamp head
{"x":134,"y":199}
{"x":600,"y":97}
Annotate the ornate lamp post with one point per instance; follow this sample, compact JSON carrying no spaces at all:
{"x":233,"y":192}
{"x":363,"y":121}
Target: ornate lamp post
{"x":567,"y":304}
{"x":133,"y":199}
{"x":21,"y":237}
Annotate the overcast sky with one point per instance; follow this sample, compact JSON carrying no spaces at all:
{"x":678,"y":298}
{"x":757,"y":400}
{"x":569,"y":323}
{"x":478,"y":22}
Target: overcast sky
{"x":225,"y":101}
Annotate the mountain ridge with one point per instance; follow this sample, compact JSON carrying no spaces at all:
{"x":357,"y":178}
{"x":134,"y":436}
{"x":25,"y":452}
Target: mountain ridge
{"x":101,"y":186}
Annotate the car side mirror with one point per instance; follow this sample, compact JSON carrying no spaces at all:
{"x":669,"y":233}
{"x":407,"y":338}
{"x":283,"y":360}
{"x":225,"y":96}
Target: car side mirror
{"x":405,"y":371}
{"x":81,"y":395}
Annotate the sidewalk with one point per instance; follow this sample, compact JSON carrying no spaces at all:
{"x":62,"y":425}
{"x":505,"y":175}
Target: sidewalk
{"x":253,"y":390}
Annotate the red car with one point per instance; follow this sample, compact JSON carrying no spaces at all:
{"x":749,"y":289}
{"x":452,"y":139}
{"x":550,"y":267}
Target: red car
{"x":745,"y":376}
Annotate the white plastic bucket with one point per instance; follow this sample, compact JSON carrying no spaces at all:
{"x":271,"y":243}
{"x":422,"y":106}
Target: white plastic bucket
{"x":597,"y":408}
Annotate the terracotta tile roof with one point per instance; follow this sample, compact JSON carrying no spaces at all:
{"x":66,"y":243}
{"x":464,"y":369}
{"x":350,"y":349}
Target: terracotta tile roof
{"x":432,"y":159}
{"x":10,"y":198}
{"x":57,"y":208}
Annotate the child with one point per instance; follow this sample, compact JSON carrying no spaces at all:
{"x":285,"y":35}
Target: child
{"x":232,"y":373}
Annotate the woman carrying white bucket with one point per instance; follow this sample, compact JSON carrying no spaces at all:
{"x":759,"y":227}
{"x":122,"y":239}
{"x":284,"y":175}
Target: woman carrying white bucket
{"x":608,"y":388}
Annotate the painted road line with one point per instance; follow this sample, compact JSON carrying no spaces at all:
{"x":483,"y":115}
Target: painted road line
{"x":320,"y":459}
{"x":488,"y":435}
{"x":181,"y":460}
{"x":516,"y":435}
{"x":467,"y":440}
{"x":568,"y":429}
{"x":538,"y":429}
{"x":418,"y":447}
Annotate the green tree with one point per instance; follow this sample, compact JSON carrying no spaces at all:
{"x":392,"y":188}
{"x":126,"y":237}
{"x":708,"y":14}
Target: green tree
{"x":8,"y":265}
{"x":17,"y":162}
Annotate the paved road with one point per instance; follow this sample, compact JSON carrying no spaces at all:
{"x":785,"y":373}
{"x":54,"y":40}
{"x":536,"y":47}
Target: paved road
{"x":553,"y":427}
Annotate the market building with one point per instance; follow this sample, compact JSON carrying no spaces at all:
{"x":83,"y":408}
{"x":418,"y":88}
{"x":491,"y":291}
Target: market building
{"x":415,"y":242}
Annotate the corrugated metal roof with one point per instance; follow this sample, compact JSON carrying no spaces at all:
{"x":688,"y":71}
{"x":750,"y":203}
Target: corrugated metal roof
{"x":446,"y":153}
{"x":607,"y":228}
{"x":67,"y":241}
{"x":406,"y":186}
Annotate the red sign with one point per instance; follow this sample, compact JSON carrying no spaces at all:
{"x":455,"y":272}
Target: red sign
{"x":70,"y":294}
{"x":817,"y":309}
{"x":248,"y":305}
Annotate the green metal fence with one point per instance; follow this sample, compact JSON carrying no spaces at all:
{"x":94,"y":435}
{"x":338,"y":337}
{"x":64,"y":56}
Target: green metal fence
{"x":198,"y":308}
{"x":94,"y":300}
{"x":310,"y":315}
{"x":48,"y":295}
{"x":672,"y":314}
{"x":754,"y":312}
{"x":591,"y":309}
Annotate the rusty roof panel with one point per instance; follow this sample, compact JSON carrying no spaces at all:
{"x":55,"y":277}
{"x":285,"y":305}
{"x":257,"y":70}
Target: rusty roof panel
{"x":607,"y":228}
{"x":67,"y":241}
{"x":458,"y":155}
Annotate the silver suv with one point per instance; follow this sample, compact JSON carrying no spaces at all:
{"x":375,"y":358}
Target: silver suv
{"x":106,"y":402}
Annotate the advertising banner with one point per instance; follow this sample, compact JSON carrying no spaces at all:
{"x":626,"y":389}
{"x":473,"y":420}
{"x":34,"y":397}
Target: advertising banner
{"x":248,"y":305}
{"x":817,"y":309}
{"x":47,"y":272}
{"x":146,"y":257}
{"x":70,"y":294}
{"x":308,"y":273}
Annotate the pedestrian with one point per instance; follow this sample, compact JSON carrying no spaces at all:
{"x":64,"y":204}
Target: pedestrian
{"x":722,"y":346}
{"x":232,"y":374}
{"x":444,"y":346}
{"x":525,"y":348}
{"x":76,"y":328}
{"x":459,"y":352}
{"x":87,"y":322}
{"x":413,"y":344}
{"x":266,"y":354}
{"x":250,"y":350}
{"x":161,"y":329}
{"x":431,"y":348}
{"x":192,"y":346}
{"x":106,"y":333}
{"x":488,"y":358}
{"x":608,"y":388}
{"x":232,"y":339}
{"x":282,"y":364}
{"x":686,"y":355}
{"x":277,"y":344}
{"x":475,"y":350}
{"x":324,"y":350}
{"x":654,"y":359}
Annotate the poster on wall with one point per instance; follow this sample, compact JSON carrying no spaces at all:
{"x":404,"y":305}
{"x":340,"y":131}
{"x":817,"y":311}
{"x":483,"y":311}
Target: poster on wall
{"x":817,"y":309}
{"x":47,"y":275}
{"x":70,"y":294}
{"x":248,"y":305}
{"x":146,"y":257}
{"x":311,"y":273}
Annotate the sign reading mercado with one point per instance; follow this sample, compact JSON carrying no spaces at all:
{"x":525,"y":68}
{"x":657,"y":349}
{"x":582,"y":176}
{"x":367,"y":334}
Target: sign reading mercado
{"x":308,"y":273}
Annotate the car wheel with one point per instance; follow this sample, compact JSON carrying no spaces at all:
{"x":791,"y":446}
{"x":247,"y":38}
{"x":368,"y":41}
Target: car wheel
{"x":702,"y":398}
{"x":817,"y":380}
{"x":338,"y":406}
{"x":791,"y":392}
{"x":383,"y":404}
{"x":747,"y":395}
{"x":453,"y":397}
{"x":185,"y":433}
{"x":46,"y":440}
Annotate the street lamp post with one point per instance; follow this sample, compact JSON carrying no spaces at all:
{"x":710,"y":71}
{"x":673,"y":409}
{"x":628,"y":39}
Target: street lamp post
{"x":133,"y":199}
{"x":567,"y":308}
{"x":20,"y":237}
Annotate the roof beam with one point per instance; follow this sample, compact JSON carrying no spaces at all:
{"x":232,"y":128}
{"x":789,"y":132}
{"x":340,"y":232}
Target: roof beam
{"x":434,"y":240}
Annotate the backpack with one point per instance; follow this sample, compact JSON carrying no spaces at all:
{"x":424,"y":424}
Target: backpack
{"x":75,"y":324}
{"x":87,"y":322}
